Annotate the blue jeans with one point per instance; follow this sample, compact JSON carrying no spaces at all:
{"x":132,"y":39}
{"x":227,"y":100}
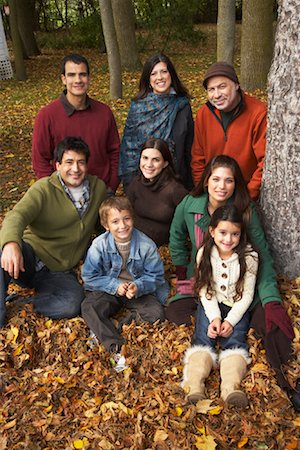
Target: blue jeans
{"x":236,"y":340}
{"x":59,"y":294}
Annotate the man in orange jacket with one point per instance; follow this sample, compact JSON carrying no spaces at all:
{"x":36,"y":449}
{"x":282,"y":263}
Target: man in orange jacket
{"x":230,"y":123}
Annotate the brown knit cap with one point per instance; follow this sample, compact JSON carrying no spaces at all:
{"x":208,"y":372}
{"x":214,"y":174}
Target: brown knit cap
{"x":220,"y":68}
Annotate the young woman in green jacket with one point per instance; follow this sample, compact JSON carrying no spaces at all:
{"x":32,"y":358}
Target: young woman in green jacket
{"x":222,"y":182}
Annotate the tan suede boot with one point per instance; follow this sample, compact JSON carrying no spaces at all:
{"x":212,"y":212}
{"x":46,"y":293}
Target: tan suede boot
{"x":233,"y":369}
{"x":198,"y":364}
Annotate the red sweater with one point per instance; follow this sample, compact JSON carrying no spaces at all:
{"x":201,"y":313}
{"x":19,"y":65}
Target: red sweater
{"x":95,"y":125}
{"x":244,"y":140}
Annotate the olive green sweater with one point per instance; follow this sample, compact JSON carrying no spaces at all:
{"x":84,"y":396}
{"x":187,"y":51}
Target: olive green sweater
{"x":47,"y":219}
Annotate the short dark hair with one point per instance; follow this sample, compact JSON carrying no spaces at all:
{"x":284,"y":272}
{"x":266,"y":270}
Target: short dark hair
{"x":119,"y":203}
{"x":75,"y":58}
{"x":241,"y":195}
{"x":74,"y":143}
{"x":144,"y":86}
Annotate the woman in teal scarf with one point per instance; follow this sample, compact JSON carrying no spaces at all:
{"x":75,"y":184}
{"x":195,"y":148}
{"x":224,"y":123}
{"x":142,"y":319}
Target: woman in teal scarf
{"x":161,"y":110}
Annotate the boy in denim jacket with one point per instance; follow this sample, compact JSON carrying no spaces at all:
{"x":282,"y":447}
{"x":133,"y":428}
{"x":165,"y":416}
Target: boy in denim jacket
{"x":123,"y":269}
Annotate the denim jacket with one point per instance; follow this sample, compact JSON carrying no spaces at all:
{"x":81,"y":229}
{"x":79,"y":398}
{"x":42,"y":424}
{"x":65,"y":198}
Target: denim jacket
{"x":103,"y":264}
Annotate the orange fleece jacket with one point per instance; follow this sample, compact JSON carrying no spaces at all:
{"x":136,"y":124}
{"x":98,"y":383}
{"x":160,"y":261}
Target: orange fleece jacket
{"x":244,"y":140}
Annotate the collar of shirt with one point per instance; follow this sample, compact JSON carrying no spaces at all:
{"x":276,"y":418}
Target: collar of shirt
{"x":82,"y":205}
{"x":69,"y":109}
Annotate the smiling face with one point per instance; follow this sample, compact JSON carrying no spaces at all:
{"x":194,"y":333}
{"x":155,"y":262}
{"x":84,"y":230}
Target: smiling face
{"x":152,"y":163}
{"x":226,"y":236}
{"x":223,"y":93}
{"x":76,"y":79}
{"x":220,"y":186}
{"x":120,"y":224}
{"x":160,"y":79}
{"x":73,"y":168}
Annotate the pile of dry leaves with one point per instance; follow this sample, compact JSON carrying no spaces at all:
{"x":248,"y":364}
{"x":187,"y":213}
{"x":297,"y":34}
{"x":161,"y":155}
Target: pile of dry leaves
{"x":57,"y":393}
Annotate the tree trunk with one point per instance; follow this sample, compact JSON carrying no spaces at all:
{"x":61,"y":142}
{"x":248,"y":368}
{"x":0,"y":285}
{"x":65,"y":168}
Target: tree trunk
{"x":25,"y":14}
{"x":257,"y":43}
{"x":280,"y":194}
{"x":125,"y":28}
{"x":225,"y":31}
{"x":113,"y":54}
{"x":16,"y":41}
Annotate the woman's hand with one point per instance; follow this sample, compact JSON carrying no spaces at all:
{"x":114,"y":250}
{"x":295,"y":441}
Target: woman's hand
{"x":214,"y":328}
{"x":226,"y":329}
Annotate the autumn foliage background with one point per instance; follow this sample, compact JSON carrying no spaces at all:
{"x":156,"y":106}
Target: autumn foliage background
{"x":57,"y":393}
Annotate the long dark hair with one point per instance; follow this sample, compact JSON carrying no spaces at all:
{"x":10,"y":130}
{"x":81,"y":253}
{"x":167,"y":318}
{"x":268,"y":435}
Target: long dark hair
{"x":163,"y":148}
{"x":144,"y":85}
{"x":241,"y":197}
{"x":204,"y":275}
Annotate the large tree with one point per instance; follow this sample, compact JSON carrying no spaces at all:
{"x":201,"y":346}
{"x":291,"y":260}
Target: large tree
{"x":26,"y":21}
{"x":124,"y":20}
{"x":280,"y":195}
{"x":112,"y":48}
{"x":257,"y":43}
{"x":16,"y":41}
{"x":226,"y":30}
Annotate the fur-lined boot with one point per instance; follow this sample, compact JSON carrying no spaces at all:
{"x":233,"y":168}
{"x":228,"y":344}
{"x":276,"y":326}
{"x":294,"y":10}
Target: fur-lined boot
{"x":198,"y":362}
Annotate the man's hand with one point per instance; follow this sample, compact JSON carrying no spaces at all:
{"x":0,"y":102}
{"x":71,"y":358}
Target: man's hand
{"x":214,"y":328}
{"x":12,"y":259}
{"x":226,"y":329}
{"x":131,"y":291}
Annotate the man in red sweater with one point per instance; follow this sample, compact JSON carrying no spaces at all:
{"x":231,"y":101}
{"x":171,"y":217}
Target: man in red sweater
{"x":74,"y":113}
{"x":230,"y":123}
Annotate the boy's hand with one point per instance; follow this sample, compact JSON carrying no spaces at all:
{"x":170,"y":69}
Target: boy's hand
{"x":122,"y":289}
{"x":226,"y":329}
{"x":131,"y":291}
{"x":214,"y":328}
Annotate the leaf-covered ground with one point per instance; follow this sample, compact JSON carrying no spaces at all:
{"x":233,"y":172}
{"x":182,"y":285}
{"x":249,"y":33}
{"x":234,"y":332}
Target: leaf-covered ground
{"x":57,"y":393}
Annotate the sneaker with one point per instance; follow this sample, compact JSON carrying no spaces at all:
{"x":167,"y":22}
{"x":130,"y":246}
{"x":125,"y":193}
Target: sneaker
{"x":92,"y":340}
{"x":118,"y":362}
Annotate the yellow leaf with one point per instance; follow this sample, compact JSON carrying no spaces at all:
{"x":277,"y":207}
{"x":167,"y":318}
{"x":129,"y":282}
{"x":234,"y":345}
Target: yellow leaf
{"x":17,"y":351}
{"x":215,"y":411}
{"x":179,"y":411}
{"x":10,"y":424}
{"x":205,"y":443}
{"x":31,"y":182}
{"x":49,"y":323}
{"x":242,"y":442}
{"x":78,"y":443}
{"x":296,"y":422}
{"x":15,"y":332}
{"x":160,"y":435}
{"x":59,"y":380}
{"x":9,"y":155}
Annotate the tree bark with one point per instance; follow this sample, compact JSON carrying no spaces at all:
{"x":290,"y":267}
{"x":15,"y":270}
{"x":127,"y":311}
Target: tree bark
{"x":280,"y":193}
{"x":225,"y":30}
{"x":257,"y":43}
{"x":25,"y":14}
{"x":125,"y":28}
{"x":16,"y":42}
{"x":112,"y":48}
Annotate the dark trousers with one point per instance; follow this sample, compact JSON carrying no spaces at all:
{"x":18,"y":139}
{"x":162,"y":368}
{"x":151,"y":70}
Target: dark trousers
{"x":98,"y":307}
{"x":59,"y":294}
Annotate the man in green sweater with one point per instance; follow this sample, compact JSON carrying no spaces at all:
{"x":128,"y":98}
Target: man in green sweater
{"x":48,"y":231}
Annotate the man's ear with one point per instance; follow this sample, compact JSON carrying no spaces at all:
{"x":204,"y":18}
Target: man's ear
{"x":63,"y":79}
{"x":57,"y":165}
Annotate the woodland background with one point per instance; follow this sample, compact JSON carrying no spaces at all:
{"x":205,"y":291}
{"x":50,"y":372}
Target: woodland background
{"x":56,"y":393}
